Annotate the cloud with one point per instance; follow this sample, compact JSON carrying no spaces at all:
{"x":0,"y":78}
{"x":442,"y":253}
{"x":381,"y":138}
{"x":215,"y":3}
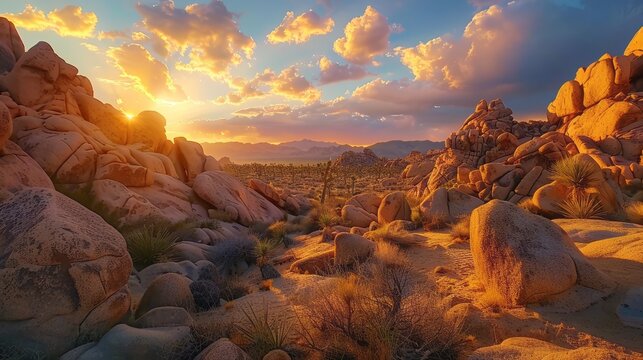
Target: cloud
{"x":68,"y":21}
{"x":207,"y":34}
{"x":148,"y":74}
{"x":301,"y":28}
{"x":331,"y":72}
{"x":90,"y":47}
{"x":364,"y":38}
{"x":266,"y":110}
{"x":288,"y":83}
{"x":484,"y":50}
{"x":112,"y":35}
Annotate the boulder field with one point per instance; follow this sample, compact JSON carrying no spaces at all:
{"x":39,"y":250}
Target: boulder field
{"x":70,"y":288}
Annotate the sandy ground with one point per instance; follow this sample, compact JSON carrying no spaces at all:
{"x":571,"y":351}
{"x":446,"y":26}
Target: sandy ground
{"x":596,"y":325}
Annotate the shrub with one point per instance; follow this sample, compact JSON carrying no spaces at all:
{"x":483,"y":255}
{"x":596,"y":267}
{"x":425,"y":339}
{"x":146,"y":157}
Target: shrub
{"x":263,"y":249}
{"x":230,"y":252}
{"x":327,"y":218}
{"x":634,"y":212}
{"x":277,"y":232}
{"x":577,"y":173}
{"x":381,"y":315}
{"x":263,"y":332}
{"x":460,"y":230}
{"x":416,"y":216}
{"x":233,"y":287}
{"x":150,"y":244}
{"x":581,"y":206}
{"x":389,"y":254}
{"x":396,"y":236}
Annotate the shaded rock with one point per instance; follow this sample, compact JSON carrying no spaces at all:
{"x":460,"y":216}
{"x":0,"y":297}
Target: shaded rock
{"x":223,"y":349}
{"x":111,"y":121}
{"x":436,"y":205}
{"x":356,"y":216}
{"x":64,"y":272}
{"x":191,"y":156}
{"x":630,"y":311}
{"x":525,"y":258}
{"x":226,"y":193}
{"x":269,"y":272}
{"x":316,"y":264}
{"x":523,"y":348}
{"x":277,"y":354}
{"x":167,"y":290}
{"x":350,"y":248}
{"x":12,"y":45}
{"x":164,"y":316}
{"x":367,"y":201}
{"x":6,"y":126}
{"x":126,"y":342}
{"x":394,"y":206}
{"x":461,"y":204}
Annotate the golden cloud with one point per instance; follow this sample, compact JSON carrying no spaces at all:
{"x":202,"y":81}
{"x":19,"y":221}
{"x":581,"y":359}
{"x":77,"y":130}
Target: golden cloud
{"x":288,"y":83}
{"x":68,"y":21}
{"x":482,"y":52}
{"x":112,"y":35}
{"x":364,"y":38}
{"x":301,"y":28}
{"x":207,"y":34}
{"x":148,"y":74}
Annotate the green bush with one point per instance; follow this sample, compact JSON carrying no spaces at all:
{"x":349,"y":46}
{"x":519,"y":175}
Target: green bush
{"x":150,"y":244}
{"x":577,"y":173}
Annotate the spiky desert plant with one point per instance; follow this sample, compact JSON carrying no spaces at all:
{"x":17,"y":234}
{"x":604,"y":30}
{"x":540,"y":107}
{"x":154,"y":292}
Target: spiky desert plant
{"x":277,"y":232}
{"x":263,"y":332}
{"x":581,"y":206}
{"x":150,"y":244}
{"x":263,"y":249}
{"x":577,"y":173}
{"x":634,"y":212}
{"x":327,"y":218}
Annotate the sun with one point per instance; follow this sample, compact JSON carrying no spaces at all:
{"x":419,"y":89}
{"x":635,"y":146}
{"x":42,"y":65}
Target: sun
{"x":129,"y":116}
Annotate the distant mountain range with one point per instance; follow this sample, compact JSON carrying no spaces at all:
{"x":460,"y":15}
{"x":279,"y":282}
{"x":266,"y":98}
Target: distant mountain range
{"x":306,"y":150}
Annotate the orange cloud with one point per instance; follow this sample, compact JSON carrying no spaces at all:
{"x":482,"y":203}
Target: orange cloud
{"x":331,"y":72}
{"x":364,"y":38}
{"x":301,"y":28}
{"x":148,"y":74}
{"x":483,"y":52}
{"x":288,"y":83}
{"x":68,"y":21}
{"x":207,"y":33}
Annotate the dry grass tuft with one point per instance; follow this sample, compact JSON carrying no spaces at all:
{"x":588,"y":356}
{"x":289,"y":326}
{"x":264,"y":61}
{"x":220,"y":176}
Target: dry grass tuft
{"x":150,"y":244}
{"x":581,"y":206}
{"x":382,"y":313}
{"x":460,"y":230}
{"x":634,"y":212}
{"x":492,"y":300}
{"x":262,"y":332}
{"x":265,"y":285}
{"x":395,"y":236}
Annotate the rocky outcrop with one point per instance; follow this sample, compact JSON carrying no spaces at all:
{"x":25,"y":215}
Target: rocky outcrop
{"x":394,"y":206}
{"x":147,"y":128}
{"x":282,"y":198}
{"x":227,"y":194}
{"x":64,"y":272}
{"x":530,"y":348}
{"x":11,"y":46}
{"x":525,"y":258}
{"x":353,"y":159}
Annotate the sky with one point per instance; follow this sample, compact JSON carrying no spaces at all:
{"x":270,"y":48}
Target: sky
{"x":355,"y":72}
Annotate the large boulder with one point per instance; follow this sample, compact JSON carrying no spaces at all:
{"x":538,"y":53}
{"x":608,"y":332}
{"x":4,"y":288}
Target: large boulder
{"x":569,"y":100}
{"x":525,"y":258}
{"x":636,"y":44}
{"x":604,"y":119}
{"x":147,"y":128}
{"x":113,"y":123}
{"x":356,"y":216}
{"x":524,"y":348}
{"x":367,"y":201}
{"x":126,"y":342}
{"x":63,"y":272}
{"x":600,"y":82}
{"x":167,"y":290}
{"x":394,"y":206}
{"x":268,"y":191}
{"x":222,"y":349}
{"x":350,"y":248}
{"x":228,"y":194}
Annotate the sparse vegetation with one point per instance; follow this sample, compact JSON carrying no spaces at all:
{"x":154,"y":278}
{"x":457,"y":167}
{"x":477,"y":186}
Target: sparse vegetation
{"x":380,"y":314}
{"x":233,"y":287}
{"x":150,"y":244}
{"x":460,"y":230}
{"x":581,"y":206}
{"x":577,"y":173}
{"x":277,"y":233}
{"x":263,"y":332}
{"x":229,"y":253}
{"x":396,"y":236}
{"x":634,"y":212}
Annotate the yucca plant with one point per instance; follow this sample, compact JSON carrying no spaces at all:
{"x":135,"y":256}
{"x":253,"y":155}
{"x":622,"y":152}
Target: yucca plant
{"x":263,"y":333}
{"x":150,"y":244}
{"x":581,"y":206}
{"x":263,"y":248}
{"x":577,"y":173}
{"x":634,"y":212}
{"x":327,"y":218}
